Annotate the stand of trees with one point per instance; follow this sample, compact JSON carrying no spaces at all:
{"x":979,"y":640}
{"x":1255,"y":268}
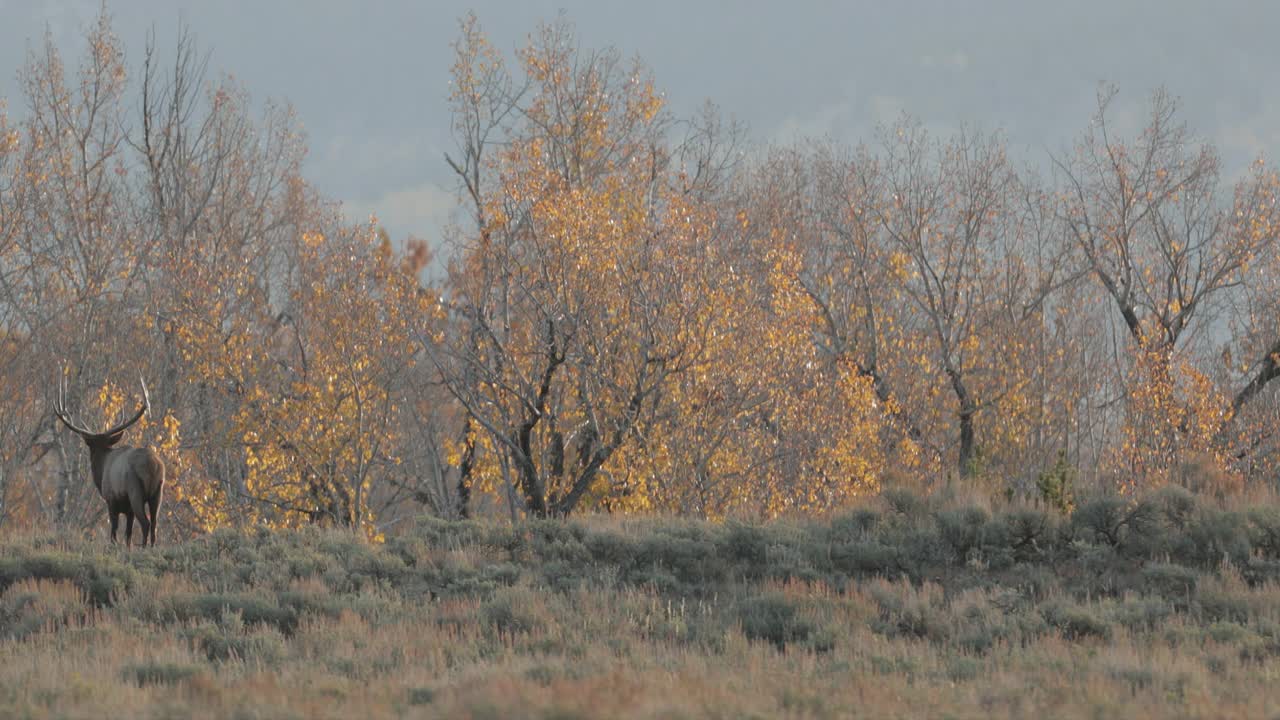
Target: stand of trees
{"x":638,"y":311}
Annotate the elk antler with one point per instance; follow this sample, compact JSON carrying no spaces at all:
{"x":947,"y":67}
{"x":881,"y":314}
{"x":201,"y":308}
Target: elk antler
{"x":60,"y":411}
{"x":142,"y":410}
{"x":60,"y":408}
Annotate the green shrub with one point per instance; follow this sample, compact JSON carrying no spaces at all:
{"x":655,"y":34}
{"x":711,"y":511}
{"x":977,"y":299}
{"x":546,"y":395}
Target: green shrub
{"x":1075,"y":622}
{"x":1261,"y":570}
{"x":357,"y":564}
{"x":881,"y":665}
{"x":451,"y":579}
{"x":1142,"y":614}
{"x":1171,"y":582}
{"x":504,"y":614}
{"x":863,"y":557}
{"x":16,"y":621}
{"x":1131,"y":527}
{"x":421,"y":696}
{"x":786,"y":561}
{"x":911,"y":611}
{"x":1029,"y":534}
{"x":1217,"y":603}
{"x":102,"y":578}
{"x":918,"y":549}
{"x":1229,"y":633}
{"x":854,"y":524}
{"x":704,"y":632}
{"x":447,"y":534}
{"x":549,"y":531}
{"x":564,"y":576}
{"x":1177,"y":505}
{"x":1264,"y":526}
{"x":773,"y":618}
{"x":610,"y":548}
{"x":905,"y":503}
{"x":964,"y":669}
{"x":746,"y":545}
{"x":962,"y":530}
{"x":1249,"y":644}
{"x":1033,"y":580}
{"x":1137,"y":678}
{"x":1213,"y":537}
{"x":1100,"y":521}
{"x":691,"y":559}
{"x":157,"y":673}
{"x":221,"y":643}
{"x":568,"y":550}
{"x":252,"y":609}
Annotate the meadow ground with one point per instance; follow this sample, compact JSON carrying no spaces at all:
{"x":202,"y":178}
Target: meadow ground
{"x":1167,"y":606}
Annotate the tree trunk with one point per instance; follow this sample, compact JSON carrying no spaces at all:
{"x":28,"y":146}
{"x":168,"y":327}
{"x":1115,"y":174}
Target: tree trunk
{"x":464,"y":471}
{"x":1269,"y":371}
{"x":968,"y":443}
{"x":530,"y":485}
{"x":968,"y":466}
{"x":66,"y":476}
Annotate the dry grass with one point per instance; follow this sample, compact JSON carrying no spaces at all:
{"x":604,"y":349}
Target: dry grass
{"x":474,"y":621}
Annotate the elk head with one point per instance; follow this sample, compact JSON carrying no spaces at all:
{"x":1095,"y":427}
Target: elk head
{"x":130,"y":480}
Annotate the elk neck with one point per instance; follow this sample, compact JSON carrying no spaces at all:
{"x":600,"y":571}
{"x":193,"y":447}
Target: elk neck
{"x":98,"y":462}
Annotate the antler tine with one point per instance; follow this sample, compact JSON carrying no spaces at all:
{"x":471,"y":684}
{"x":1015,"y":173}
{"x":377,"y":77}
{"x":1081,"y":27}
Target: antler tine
{"x":60,"y":406}
{"x":142,"y":410}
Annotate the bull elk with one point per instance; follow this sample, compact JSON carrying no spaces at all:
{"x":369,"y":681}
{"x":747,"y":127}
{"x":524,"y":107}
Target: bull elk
{"x":130,"y":479}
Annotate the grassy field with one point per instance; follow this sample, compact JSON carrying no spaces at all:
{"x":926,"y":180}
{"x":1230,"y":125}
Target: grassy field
{"x":1164,"y":607}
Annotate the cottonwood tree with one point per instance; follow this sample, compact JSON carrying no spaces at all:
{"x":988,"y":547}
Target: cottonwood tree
{"x":1157,"y":237}
{"x":74,"y":255}
{"x":570,"y":290}
{"x":952,"y":225}
{"x":321,"y":420}
{"x":15,"y":429}
{"x":636,"y":316}
{"x":174,"y":237}
{"x":811,"y":425}
{"x":1251,"y":360}
{"x":843,"y":253}
{"x":213,"y":189}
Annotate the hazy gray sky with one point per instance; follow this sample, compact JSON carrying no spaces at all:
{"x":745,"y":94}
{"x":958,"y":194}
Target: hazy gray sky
{"x":369,"y":79}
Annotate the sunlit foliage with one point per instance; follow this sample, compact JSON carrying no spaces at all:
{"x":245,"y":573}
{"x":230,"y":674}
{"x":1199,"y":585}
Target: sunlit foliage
{"x":632,"y":311}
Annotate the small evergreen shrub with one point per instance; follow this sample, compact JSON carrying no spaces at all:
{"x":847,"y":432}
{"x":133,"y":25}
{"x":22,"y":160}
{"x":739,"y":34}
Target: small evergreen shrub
{"x":1056,"y":485}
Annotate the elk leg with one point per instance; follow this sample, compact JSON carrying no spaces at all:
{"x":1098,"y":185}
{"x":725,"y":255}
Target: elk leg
{"x":154,"y":505}
{"x":115,"y":523}
{"x":128,"y":528}
{"x":139,"y":506}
